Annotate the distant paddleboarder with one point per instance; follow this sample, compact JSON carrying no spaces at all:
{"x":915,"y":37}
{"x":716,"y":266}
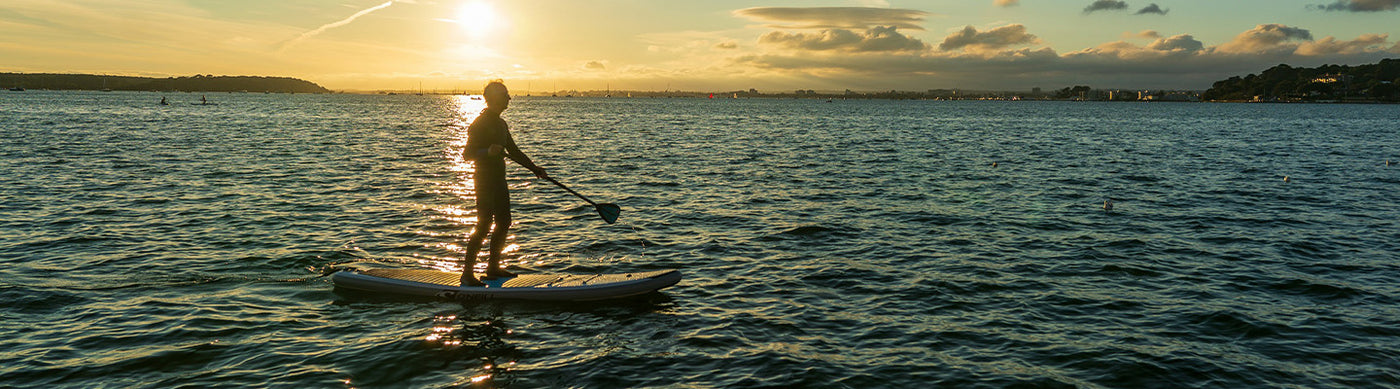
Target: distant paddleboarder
{"x":488,"y":144}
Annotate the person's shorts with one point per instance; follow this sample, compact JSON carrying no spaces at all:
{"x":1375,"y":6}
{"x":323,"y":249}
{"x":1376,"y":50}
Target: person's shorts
{"x":492,"y":195}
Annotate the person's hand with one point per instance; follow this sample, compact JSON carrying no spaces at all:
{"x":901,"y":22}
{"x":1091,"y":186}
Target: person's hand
{"x":495,"y":150}
{"x":539,"y":172}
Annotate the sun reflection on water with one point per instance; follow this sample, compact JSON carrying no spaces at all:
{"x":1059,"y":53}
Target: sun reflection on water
{"x":482,"y":340}
{"x":465,"y":108}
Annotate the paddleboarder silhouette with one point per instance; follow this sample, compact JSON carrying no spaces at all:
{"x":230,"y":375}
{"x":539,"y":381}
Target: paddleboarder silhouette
{"x":488,"y":144}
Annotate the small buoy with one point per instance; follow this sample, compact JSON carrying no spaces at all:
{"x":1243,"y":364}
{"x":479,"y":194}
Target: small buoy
{"x":994,"y":164}
{"x":1108,"y":205}
{"x":1286,"y":179}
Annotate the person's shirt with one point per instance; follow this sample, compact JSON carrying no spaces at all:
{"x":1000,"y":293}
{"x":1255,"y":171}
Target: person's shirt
{"x":490,"y":129}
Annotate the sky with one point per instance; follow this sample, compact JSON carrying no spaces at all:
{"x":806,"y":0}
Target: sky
{"x":713,"y":45}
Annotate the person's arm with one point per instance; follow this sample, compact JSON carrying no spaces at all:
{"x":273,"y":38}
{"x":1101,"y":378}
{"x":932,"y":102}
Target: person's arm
{"x":477,"y":148}
{"x":473,"y":150}
{"x":513,"y":152}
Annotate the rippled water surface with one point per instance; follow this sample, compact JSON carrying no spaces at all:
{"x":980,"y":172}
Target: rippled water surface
{"x":844,"y":244}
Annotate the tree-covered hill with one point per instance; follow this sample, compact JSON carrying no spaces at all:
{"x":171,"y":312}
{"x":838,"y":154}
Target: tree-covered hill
{"x":1374,"y":82}
{"x":197,"y":83}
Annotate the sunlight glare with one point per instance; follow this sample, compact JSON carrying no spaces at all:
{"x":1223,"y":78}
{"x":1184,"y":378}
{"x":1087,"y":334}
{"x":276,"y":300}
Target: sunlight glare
{"x":477,"y":19}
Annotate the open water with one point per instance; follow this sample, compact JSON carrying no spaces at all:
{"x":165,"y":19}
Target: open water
{"x":850,"y":244}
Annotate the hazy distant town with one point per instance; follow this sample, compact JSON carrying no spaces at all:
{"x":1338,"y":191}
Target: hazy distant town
{"x":1079,"y":93}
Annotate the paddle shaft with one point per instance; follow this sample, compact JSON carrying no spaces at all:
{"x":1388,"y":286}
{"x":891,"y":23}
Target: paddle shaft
{"x":551,"y":179}
{"x":609,"y":212}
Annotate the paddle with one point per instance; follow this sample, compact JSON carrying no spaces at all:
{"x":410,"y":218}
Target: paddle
{"x":608,"y":211}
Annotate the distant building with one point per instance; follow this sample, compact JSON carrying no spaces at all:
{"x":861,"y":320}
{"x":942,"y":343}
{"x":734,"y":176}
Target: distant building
{"x":1175,"y":96}
{"x":1332,"y":78}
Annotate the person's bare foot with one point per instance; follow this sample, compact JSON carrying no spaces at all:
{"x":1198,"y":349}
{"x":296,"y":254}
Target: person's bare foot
{"x":494,"y":273}
{"x":468,"y":279}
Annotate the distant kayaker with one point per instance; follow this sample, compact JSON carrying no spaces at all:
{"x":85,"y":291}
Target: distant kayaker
{"x":163,"y":102}
{"x":488,"y":144}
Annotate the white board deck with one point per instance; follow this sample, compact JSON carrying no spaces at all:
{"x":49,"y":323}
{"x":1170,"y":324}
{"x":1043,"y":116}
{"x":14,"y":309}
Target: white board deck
{"x":538,"y":287}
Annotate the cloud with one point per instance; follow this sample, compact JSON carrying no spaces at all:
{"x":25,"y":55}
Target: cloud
{"x":1144,"y":34}
{"x":1178,"y":43}
{"x":1152,"y":9}
{"x":685,"y":46}
{"x":1361,"y":5}
{"x":877,"y":39}
{"x":595,"y":66}
{"x":1176,"y":48}
{"x":896,"y":67}
{"x":855,"y":18}
{"x":342,"y":22}
{"x":1368,"y":43}
{"x":975,"y":58}
{"x":1011,"y":57}
{"x":1106,"y":5}
{"x":1006,"y":3}
{"x":971,"y":39}
{"x":901,"y":56}
{"x":1264,"y":38}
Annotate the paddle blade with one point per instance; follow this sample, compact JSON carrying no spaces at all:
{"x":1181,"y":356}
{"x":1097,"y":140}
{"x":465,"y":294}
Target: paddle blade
{"x":609,"y":212}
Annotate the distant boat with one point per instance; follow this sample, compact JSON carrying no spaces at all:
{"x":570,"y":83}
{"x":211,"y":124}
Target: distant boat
{"x":17,"y":89}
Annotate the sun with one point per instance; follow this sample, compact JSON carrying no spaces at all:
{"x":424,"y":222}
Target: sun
{"x":478,"y":19}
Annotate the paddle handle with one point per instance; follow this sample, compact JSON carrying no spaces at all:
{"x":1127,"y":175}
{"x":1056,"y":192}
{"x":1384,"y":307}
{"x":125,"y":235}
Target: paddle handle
{"x":551,"y":179}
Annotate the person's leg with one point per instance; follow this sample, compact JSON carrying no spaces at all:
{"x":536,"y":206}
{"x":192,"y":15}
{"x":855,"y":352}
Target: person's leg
{"x":498,"y":244}
{"x":493,"y":211}
{"x":483,"y":226}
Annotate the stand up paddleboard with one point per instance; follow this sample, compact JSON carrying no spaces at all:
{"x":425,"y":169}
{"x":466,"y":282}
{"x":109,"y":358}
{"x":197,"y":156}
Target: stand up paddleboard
{"x":537,"y":287}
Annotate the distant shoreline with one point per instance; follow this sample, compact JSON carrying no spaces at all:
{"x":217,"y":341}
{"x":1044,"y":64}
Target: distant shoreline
{"x":196,"y":83}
